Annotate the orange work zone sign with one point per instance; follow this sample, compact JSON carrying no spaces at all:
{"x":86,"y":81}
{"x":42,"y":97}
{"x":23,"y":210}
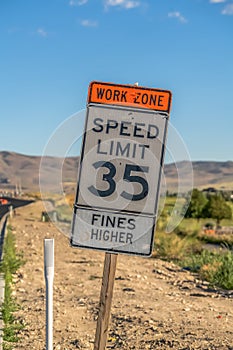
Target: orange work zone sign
{"x":129,"y":95}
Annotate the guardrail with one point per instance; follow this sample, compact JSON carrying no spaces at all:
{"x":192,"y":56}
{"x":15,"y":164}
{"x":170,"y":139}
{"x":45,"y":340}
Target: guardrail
{"x":5,"y":211}
{"x":3,"y":225}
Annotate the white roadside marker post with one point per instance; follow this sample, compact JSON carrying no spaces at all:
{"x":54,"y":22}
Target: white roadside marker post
{"x":49,"y":276}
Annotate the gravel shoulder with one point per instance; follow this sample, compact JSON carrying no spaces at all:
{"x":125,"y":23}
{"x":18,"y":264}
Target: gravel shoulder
{"x":156,"y":305}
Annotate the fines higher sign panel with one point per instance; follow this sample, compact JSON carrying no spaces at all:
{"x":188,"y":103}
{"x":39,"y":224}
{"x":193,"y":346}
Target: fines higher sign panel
{"x":120,"y":171}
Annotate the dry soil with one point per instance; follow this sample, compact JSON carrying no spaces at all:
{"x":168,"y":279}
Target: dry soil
{"x":156,"y":305}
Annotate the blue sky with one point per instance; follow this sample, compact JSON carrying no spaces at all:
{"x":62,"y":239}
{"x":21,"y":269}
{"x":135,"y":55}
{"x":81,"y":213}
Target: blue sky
{"x":52,"y":49}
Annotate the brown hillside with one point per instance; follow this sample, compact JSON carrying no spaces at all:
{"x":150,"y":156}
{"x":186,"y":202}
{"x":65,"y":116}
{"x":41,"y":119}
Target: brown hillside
{"x":23,"y":170}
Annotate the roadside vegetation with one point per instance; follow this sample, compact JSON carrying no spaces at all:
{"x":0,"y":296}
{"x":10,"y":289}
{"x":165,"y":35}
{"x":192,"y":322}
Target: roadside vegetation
{"x":203,"y":241}
{"x":8,"y":267}
{"x":206,"y":216}
{"x":214,"y":267}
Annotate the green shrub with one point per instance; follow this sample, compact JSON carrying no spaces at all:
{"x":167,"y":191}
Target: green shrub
{"x":216,"y":268}
{"x":8,"y":267}
{"x":171,"y":246}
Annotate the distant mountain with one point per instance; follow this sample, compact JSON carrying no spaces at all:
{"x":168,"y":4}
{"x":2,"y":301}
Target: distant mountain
{"x":205,"y":174}
{"x":23,"y":171}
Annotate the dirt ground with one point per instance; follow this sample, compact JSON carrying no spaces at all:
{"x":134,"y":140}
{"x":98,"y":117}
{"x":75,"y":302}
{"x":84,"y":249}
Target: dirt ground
{"x":156,"y":305}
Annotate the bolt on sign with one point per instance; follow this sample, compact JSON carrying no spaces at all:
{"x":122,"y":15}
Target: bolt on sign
{"x":120,"y":168}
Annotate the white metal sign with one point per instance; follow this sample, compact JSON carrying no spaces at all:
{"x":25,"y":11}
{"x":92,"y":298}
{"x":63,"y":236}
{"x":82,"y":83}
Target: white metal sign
{"x":119,"y":177}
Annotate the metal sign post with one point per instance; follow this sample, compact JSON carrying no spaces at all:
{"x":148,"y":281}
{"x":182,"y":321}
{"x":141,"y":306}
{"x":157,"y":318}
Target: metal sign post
{"x":49,"y":276}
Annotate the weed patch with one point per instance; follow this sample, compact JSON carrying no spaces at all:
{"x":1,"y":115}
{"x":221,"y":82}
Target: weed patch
{"x":216,"y":268}
{"x":8,"y":267}
{"x":172,"y":246}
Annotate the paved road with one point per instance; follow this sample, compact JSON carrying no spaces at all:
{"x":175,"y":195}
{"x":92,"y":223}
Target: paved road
{"x":3,"y":210}
{"x":15,"y":202}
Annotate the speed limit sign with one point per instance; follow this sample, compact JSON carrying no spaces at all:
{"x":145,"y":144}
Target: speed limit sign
{"x":120,"y":168}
